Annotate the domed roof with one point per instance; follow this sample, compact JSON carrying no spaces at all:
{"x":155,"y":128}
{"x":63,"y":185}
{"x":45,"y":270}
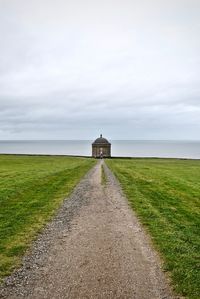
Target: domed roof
{"x":101,"y":140}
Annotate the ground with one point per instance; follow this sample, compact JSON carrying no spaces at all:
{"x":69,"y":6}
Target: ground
{"x":94,"y":248}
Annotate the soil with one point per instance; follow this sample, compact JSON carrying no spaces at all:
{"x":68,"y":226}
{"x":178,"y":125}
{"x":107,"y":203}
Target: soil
{"x":94,"y":248}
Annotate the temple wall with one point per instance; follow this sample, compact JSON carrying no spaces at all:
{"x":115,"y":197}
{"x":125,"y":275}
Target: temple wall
{"x":97,"y":149}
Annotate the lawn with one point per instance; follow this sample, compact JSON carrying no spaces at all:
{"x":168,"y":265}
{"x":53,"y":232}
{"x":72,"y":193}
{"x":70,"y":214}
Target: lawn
{"x":31,"y":189}
{"x":165,"y":194}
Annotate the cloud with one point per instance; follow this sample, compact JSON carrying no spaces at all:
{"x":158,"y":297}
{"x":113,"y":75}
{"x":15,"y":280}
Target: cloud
{"x":69,"y":69}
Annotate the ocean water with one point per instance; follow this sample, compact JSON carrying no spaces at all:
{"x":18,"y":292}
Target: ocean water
{"x":122,"y":148}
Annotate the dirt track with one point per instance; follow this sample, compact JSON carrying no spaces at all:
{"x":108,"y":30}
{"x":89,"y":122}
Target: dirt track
{"x":94,"y":248}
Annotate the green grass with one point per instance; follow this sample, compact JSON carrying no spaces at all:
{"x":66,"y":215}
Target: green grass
{"x":165,"y":193}
{"x":31,"y":189}
{"x":103,"y":176}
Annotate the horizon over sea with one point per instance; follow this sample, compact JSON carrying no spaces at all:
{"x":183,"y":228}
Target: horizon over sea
{"x":187,"y":149}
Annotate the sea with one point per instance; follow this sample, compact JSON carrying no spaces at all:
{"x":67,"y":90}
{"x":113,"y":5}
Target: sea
{"x":119,"y":148}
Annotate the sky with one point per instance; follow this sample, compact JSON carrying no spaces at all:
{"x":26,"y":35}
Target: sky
{"x":75,"y":69}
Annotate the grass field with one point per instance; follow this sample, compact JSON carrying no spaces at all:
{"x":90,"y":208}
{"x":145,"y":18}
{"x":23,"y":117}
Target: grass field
{"x":165,"y":193}
{"x":31,"y":189}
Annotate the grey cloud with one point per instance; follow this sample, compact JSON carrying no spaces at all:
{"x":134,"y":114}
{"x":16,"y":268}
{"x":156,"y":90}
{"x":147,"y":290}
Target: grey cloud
{"x":69,"y":69}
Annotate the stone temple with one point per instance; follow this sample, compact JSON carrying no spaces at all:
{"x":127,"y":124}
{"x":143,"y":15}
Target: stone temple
{"x":101,"y":148}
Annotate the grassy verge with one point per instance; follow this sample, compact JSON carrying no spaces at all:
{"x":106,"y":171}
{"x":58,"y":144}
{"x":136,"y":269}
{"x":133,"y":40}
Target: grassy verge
{"x":31,"y":189}
{"x":165,"y":193}
{"x":103,"y":176}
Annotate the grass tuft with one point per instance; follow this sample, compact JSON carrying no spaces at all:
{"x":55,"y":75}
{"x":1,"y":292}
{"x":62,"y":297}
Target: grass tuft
{"x":103,"y":176}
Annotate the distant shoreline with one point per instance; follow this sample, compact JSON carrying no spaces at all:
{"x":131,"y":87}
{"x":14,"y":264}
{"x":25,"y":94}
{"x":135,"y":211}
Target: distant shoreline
{"x":89,"y":157}
{"x":119,"y":149}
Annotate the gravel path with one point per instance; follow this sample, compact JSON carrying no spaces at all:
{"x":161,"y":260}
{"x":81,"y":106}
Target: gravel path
{"x":94,"y":248}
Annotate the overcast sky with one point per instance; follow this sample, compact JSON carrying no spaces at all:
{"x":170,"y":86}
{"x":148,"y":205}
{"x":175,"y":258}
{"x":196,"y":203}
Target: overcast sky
{"x":72,"y":69}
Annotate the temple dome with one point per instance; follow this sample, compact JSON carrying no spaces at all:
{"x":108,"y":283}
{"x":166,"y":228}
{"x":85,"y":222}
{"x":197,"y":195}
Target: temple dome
{"x":101,"y":140}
